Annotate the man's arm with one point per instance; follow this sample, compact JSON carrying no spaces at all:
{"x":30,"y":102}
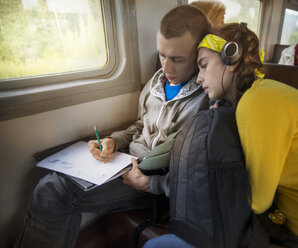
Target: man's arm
{"x":120,"y":139}
{"x":160,"y":184}
{"x":124,"y":137}
{"x":154,"y":184}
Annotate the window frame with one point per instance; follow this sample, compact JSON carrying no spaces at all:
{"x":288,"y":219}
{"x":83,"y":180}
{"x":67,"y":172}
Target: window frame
{"x":121,"y":75}
{"x":288,"y":4}
{"x":272,"y":17}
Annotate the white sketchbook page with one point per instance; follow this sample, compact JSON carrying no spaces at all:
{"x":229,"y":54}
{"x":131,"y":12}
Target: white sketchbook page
{"x":77,"y":161}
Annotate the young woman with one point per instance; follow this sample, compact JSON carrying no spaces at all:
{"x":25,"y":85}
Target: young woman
{"x":267,"y":117}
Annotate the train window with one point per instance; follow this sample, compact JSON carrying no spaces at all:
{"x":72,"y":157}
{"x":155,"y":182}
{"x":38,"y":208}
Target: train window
{"x":45,"y":37}
{"x":58,"y":53}
{"x":289,"y":33}
{"x":242,"y":11}
{"x":51,"y":37}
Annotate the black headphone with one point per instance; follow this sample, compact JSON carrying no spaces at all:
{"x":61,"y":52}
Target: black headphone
{"x":232,"y":51}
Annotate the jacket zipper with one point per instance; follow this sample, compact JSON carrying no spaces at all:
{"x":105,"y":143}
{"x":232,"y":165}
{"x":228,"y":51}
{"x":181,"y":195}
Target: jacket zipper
{"x":157,"y":126}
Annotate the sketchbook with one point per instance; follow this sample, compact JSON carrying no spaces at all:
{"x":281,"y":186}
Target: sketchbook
{"x":79,"y":165}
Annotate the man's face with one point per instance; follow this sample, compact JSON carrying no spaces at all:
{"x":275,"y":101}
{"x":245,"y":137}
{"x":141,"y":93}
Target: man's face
{"x":178,"y":57}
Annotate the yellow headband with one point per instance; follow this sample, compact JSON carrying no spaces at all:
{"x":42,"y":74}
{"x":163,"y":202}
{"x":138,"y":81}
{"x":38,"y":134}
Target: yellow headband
{"x":213,"y":42}
{"x":216,"y":43}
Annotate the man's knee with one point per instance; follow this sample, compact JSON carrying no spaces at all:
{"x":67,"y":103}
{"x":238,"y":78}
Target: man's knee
{"x":51,"y":195}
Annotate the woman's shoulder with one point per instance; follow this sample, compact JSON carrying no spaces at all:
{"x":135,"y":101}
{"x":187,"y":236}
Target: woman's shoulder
{"x":275,"y":87}
{"x":270,"y":91}
{"x":268,"y":99}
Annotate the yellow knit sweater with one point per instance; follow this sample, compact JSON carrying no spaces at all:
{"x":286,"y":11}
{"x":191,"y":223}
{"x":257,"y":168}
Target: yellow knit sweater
{"x":267,"y":118}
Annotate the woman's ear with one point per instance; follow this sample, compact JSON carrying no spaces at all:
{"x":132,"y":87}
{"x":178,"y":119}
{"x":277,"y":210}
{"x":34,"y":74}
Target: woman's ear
{"x":233,"y":67}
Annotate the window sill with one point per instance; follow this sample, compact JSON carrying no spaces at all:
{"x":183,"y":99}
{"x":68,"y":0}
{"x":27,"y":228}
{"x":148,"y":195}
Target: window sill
{"x":27,"y":101}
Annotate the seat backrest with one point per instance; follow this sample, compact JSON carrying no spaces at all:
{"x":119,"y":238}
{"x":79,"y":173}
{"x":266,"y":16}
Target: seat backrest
{"x":277,"y":52}
{"x":287,"y":74}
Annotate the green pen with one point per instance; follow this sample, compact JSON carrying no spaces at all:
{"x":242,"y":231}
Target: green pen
{"x":98,"y":140}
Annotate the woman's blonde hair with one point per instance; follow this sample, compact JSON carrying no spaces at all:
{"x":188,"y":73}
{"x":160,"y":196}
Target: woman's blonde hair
{"x":215,"y":11}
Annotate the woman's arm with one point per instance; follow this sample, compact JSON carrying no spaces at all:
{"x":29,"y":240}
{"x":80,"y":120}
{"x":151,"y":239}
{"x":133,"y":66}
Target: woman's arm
{"x":266,"y":127}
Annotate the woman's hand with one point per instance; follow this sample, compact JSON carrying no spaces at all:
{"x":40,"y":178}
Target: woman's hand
{"x":215,"y":105}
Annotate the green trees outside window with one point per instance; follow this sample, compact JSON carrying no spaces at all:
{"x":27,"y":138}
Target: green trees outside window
{"x":50,"y":36}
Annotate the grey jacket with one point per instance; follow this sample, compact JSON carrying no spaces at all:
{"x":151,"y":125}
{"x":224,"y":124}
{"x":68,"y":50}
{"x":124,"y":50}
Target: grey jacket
{"x":158,"y":118}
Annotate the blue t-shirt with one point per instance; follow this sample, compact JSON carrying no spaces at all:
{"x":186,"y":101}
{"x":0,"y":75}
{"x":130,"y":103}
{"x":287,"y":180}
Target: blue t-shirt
{"x":172,"y":91}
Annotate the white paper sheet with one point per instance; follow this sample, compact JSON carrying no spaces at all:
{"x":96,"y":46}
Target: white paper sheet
{"x":77,"y":161}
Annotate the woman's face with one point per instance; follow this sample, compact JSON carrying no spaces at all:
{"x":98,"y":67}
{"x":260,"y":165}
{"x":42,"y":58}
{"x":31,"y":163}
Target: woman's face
{"x":214,"y":75}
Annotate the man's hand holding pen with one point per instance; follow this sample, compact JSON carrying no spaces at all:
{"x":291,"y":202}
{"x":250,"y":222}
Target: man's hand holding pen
{"x":107,"y":145}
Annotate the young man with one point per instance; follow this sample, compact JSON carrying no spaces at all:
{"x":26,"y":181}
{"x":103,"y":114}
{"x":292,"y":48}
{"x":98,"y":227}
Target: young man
{"x":169,"y":99}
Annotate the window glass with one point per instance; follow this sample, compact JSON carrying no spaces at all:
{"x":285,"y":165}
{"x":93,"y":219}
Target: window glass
{"x":289,"y":34}
{"x":242,"y":11}
{"x":50,"y":36}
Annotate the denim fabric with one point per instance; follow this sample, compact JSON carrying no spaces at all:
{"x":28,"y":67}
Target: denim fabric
{"x":56,"y":204}
{"x":167,"y":241}
{"x":288,"y":240}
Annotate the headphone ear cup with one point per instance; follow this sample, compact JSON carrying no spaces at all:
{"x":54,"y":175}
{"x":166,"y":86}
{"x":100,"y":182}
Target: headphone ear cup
{"x":231,"y":53}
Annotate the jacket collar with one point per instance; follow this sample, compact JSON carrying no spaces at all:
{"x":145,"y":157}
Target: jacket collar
{"x":157,"y":86}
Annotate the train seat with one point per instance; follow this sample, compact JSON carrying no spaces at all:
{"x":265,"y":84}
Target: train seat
{"x":287,"y":74}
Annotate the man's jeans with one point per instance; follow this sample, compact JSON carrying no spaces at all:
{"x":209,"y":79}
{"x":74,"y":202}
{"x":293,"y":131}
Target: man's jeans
{"x":56,"y":204}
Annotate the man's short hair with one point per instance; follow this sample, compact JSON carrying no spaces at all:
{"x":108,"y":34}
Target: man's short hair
{"x":182,"y":19}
